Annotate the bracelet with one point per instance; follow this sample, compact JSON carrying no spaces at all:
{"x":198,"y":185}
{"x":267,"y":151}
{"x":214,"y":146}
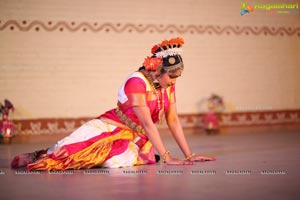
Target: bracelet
{"x":190,"y":156}
{"x":165,"y":155}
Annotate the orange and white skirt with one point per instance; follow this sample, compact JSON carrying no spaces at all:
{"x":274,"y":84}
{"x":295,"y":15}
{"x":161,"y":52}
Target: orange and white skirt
{"x":97,"y":144}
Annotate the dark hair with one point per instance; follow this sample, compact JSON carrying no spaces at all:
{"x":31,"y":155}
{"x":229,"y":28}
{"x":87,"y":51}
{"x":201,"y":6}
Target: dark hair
{"x":141,"y":68}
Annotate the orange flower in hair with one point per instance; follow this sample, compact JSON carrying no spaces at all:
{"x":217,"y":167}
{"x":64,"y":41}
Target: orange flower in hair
{"x":152,"y":63}
{"x":176,"y":42}
{"x":173,"y":42}
{"x":180,"y":41}
{"x":154,"y":49}
{"x":164,"y":43}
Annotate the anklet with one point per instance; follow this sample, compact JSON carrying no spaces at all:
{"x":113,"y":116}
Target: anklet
{"x":165,"y":156}
{"x":190,"y":156}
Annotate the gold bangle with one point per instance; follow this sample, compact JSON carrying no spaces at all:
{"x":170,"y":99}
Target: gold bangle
{"x":165,"y":155}
{"x":190,"y":156}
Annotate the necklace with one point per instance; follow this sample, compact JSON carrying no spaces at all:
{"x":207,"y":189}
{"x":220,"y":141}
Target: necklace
{"x":160,"y":103}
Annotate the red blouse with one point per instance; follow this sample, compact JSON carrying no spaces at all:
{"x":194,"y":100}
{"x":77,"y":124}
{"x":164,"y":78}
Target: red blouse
{"x":137,"y":91}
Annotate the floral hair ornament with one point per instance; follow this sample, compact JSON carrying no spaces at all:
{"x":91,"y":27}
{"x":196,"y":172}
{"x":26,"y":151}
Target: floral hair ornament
{"x":168,"y":47}
{"x":152,"y":63}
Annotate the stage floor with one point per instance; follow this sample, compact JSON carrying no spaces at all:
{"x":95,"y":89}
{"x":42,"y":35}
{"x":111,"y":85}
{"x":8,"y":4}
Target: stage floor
{"x":252,"y":163}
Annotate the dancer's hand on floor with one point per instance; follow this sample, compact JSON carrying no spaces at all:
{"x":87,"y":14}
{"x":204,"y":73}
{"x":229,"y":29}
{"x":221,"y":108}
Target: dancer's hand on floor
{"x":175,"y":161}
{"x":199,"y":158}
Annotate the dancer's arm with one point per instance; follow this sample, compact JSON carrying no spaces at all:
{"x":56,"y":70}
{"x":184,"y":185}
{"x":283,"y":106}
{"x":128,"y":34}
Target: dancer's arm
{"x":177,"y":132}
{"x":144,"y":116}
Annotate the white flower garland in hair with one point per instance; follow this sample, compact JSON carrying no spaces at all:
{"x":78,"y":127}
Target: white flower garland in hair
{"x":169,"y":52}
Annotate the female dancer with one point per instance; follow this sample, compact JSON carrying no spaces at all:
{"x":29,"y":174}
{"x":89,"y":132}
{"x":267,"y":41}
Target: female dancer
{"x":126,"y":135}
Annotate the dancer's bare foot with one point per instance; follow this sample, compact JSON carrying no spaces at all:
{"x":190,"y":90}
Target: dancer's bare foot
{"x":22,"y":160}
{"x":26,"y":158}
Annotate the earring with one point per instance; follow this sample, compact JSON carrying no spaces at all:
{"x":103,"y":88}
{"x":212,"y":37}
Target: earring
{"x":156,"y":83}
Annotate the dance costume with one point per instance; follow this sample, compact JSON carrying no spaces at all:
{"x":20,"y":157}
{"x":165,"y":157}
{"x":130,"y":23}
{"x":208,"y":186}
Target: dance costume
{"x":107,"y":141}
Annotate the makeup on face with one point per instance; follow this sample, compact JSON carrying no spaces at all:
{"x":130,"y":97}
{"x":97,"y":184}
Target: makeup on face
{"x":176,"y":74}
{"x":169,"y":78}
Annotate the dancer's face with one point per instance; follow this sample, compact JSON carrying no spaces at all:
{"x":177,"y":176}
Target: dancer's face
{"x":168,"y":79}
